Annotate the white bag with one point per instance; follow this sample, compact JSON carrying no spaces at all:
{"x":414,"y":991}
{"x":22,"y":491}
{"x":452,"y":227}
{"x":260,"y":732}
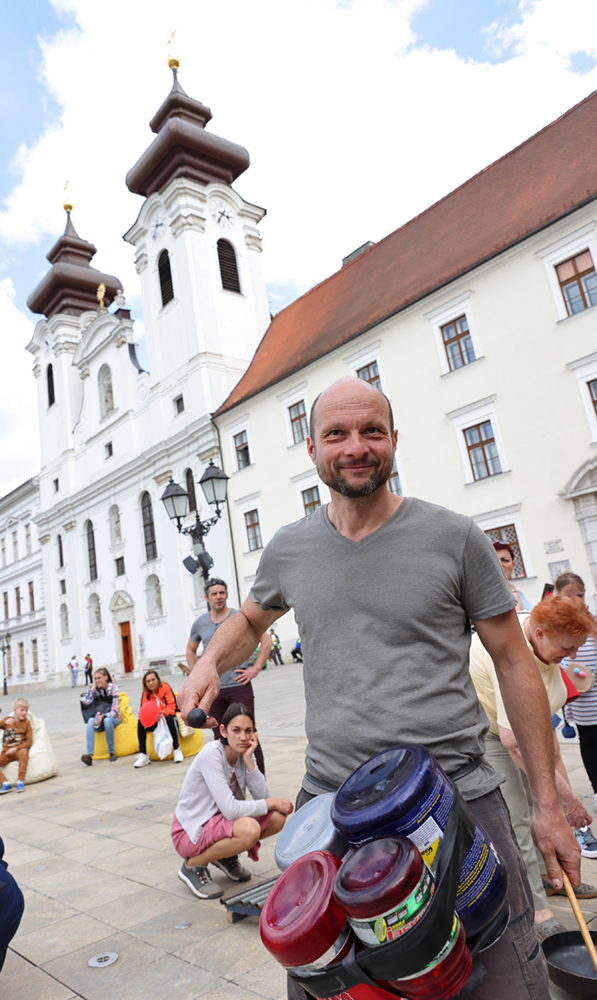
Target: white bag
{"x":162,"y":740}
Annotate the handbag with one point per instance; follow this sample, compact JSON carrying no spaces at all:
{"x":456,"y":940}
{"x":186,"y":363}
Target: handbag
{"x":99,"y":704}
{"x":162,"y":740}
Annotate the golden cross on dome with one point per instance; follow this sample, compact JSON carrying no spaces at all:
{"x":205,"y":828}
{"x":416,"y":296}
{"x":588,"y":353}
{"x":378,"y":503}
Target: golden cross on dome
{"x":100,"y":294}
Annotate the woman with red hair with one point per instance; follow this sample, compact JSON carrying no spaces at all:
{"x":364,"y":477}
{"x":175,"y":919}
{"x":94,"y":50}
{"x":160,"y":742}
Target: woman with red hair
{"x":555,"y":629}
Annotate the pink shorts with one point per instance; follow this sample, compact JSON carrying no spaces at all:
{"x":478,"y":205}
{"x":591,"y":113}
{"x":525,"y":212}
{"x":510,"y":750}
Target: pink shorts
{"x":216,"y":828}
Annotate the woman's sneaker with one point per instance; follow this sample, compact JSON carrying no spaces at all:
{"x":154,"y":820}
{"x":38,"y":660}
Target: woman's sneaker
{"x":199,"y":882}
{"x":178,"y":756}
{"x":142,"y":760}
{"x":588,"y":844}
{"x":233,"y":869}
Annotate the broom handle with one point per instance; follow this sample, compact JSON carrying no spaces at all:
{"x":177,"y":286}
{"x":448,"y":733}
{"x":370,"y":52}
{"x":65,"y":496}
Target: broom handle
{"x":584,"y":930}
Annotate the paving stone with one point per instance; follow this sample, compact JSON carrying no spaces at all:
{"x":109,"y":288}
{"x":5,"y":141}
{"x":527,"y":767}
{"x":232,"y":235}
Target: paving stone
{"x":60,"y":937}
{"x":267,"y":980}
{"x":232,"y":952}
{"x":23,"y":981}
{"x":41,"y":910}
{"x":141,"y":905}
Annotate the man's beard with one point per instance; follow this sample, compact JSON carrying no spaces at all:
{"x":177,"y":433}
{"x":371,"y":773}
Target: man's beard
{"x":337,"y":482}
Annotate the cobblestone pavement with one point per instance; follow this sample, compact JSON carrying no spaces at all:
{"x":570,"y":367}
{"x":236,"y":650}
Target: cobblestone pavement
{"x":91,"y":850}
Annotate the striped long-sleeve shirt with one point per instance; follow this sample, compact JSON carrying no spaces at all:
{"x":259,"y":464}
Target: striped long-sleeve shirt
{"x":583,"y":710}
{"x":111,"y":690}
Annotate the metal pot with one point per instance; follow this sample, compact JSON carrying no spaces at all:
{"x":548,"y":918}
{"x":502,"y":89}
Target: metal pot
{"x":570,"y":965}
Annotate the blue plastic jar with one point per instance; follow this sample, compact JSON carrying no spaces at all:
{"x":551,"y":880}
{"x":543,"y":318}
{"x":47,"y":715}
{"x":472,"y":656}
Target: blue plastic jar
{"x":404,"y":791}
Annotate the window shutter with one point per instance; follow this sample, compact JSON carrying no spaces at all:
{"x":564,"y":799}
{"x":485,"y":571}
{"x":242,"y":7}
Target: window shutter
{"x":228,"y":268}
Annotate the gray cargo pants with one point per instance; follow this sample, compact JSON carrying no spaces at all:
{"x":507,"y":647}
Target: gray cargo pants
{"x":516,"y":968}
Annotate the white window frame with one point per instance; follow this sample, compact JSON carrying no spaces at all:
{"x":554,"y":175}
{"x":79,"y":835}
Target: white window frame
{"x":365,"y":356}
{"x":244,"y":505}
{"x":467,"y":416}
{"x":447,"y":313}
{"x":400,"y":468}
{"x":306,"y":481}
{"x":288,"y":399}
{"x":499,"y":518}
{"x":233,"y":428}
{"x":561,"y":250}
{"x":585,"y":370}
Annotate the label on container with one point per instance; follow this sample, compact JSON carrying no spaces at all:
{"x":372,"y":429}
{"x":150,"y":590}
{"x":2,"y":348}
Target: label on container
{"x":443,"y":954}
{"x":399,"y":919}
{"x":425,"y":823}
{"x":479,"y":868}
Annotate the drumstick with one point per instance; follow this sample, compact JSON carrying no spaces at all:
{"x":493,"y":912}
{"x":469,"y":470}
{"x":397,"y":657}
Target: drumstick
{"x":584,"y":930}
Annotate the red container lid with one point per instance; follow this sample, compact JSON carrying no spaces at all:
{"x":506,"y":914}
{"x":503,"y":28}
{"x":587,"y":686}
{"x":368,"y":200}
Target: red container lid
{"x":300,"y":919}
{"x":378,"y":876}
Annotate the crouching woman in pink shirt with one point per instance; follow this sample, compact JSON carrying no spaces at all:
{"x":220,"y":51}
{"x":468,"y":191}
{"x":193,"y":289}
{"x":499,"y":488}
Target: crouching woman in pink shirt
{"x":213,"y":821}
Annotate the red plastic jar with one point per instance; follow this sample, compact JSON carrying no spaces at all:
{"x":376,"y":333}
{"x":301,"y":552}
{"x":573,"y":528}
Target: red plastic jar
{"x":443,"y":977}
{"x":301,"y":924}
{"x":384,"y":888}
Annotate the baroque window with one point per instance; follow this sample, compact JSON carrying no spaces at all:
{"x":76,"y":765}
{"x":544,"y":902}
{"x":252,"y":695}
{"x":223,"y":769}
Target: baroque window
{"x":165,"y":276}
{"x":151,"y":550}
{"x":228,"y":266}
{"x":91,"y":557}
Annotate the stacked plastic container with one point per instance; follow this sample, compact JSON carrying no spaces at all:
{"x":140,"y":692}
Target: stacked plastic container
{"x":392,"y":918}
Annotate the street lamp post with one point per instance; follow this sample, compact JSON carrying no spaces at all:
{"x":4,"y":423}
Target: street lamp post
{"x":4,"y":645}
{"x":214,"y":484}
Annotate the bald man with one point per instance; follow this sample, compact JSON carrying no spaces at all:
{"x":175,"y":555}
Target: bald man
{"x":383,"y":589}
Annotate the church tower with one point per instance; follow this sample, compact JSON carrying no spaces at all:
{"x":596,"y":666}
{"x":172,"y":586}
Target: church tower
{"x":197,"y":254}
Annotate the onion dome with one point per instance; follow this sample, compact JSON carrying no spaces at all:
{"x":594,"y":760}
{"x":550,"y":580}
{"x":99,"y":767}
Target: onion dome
{"x":182,"y":147}
{"x":71,"y":285}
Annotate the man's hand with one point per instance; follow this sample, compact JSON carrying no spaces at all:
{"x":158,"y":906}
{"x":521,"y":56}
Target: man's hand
{"x":200,"y":689}
{"x":557,"y":844}
{"x":246,"y":675}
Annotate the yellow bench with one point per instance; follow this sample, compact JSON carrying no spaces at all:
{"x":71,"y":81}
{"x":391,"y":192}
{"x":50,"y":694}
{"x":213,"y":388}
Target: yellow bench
{"x":127,"y":743}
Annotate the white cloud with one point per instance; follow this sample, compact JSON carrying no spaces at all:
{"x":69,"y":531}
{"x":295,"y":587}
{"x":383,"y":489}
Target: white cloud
{"x":19,"y":448}
{"x":353,"y":126}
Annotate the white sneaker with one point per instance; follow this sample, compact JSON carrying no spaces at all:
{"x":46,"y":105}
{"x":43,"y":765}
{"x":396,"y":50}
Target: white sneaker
{"x":142,"y":760}
{"x":178,"y":756}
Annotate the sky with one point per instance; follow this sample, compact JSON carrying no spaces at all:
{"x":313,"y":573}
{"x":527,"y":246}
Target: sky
{"x":358,"y":114}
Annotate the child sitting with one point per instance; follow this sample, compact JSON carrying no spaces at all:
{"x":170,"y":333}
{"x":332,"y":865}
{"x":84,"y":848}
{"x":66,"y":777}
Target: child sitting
{"x":17,"y":739}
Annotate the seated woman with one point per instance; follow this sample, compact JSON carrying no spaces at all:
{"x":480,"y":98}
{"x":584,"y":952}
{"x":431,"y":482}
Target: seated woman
{"x":156,"y":690}
{"x":103,"y":695}
{"x":213,"y":821}
{"x":556,"y":628}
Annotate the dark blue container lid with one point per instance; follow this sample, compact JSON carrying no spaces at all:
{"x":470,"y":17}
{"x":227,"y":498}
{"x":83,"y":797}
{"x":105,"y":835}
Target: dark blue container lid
{"x":383,"y":789}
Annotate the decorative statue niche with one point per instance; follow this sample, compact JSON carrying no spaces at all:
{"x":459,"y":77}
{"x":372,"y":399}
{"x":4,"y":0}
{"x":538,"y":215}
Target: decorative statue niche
{"x":106,"y":392}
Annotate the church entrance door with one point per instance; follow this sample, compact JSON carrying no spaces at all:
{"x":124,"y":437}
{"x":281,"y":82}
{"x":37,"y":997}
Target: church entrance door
{"x":127,"y":653}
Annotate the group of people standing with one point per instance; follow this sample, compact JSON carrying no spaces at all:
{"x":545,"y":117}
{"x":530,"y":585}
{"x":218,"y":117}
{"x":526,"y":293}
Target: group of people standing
{"x":73,"y":666}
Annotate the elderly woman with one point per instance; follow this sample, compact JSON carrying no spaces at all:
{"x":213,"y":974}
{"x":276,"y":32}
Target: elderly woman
{"x":556,"y":628}
{"x":103,"y":696}
{"x":583,"y":710}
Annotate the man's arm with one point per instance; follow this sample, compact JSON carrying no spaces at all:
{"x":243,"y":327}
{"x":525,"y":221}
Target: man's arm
{"x":527,"y":708}
{"x":231,"y":645}
{"x":191,"y":653}
{"x":250,"y":673}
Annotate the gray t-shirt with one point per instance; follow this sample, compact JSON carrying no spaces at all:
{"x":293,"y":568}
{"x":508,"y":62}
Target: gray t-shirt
{"x":384,"y":624}
{"x":202,"y":630}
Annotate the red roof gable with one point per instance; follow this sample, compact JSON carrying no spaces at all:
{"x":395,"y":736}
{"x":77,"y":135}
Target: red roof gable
{"x":549,"y":175}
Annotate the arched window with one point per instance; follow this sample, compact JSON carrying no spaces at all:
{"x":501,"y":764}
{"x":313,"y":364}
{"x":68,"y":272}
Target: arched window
{"x":115,"y":528}
{"x":106,"y":392}
{"x":153,"y":593}
{"x":95,"y":614}
{"x":91,"y":551}
{"x":228,"y":268}
{"x":151,"y":551}
{"x":64,"y":621}
{"x":50,"y":378}
{"x":191,"y":489}
{"x":60,"y":553}
{"x":166,"y":287}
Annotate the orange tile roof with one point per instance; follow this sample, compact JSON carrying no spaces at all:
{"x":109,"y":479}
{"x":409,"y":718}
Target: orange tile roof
{"x":548,"y":176}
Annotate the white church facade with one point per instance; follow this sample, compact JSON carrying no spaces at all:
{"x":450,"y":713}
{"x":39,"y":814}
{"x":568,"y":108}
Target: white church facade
{"x":113,"y":434}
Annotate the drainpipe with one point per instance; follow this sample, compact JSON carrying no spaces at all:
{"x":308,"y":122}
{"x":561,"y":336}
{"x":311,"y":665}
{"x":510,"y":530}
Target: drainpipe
{"x":229,"y":516}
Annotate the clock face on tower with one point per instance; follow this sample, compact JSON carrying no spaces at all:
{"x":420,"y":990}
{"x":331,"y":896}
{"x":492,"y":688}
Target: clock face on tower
{"x":222,"y":213}
{"x":157,"y":226}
